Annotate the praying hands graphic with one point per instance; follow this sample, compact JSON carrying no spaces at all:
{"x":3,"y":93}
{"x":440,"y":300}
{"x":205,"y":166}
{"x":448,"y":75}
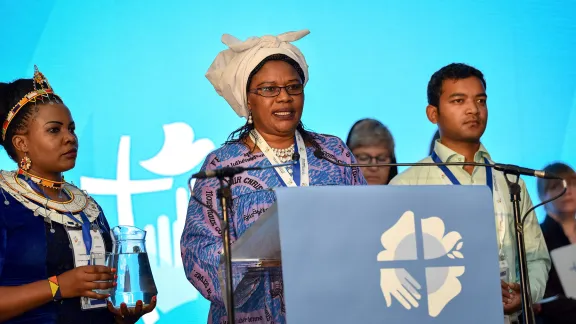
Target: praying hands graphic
{"x":398,"y":283}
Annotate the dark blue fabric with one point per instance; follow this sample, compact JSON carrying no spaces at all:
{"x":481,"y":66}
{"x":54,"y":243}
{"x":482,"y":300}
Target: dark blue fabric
{"x":23,"y":252}
{"x":85,"y":222}
{"x":29,"y":252}
{"x":296,"y":167}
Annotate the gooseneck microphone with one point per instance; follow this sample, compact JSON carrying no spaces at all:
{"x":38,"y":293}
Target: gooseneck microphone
{"x":227,"y":172}
{"x":507,"y":168}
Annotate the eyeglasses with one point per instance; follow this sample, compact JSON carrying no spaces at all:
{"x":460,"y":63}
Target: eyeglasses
{"x":557,"y":184}
{"x":273,"y":91}
{"x":366,"y":159}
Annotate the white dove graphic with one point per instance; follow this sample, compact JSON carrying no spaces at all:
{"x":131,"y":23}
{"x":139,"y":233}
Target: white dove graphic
{"x":180,"y":153}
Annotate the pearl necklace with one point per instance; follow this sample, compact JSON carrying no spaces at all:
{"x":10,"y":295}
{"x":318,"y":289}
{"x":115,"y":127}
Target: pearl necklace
{"x":285,"y":155}
{"x":284,"y":151}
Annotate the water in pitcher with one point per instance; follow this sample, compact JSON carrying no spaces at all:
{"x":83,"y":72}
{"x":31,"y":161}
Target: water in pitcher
{"x":135,"y":281}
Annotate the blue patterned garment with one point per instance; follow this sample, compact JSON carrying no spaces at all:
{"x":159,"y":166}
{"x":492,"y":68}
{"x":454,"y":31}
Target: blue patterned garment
{"x":259,"y":296}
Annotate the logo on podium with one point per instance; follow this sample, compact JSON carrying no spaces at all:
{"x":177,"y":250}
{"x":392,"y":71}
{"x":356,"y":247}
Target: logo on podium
{"x":441,"y":278}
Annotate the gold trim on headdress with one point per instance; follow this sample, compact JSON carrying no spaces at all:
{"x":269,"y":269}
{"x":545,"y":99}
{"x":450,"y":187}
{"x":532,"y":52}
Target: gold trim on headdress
{"x":42,"y":90}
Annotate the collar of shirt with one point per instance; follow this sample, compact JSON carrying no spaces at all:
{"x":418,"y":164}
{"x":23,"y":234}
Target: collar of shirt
{"x":448,"y":155}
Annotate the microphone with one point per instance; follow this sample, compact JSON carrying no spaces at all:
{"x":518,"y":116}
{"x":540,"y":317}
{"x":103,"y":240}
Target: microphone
{"x":319,"y":154}
{"x":225,"y":172}
{"x":506,"y":168}
{"x":228,"y":172}
{"x":514,"y":169}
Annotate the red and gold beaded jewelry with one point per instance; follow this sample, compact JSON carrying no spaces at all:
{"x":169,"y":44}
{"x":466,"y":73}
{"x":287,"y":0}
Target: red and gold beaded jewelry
{"x":41,"y":91}
{"x":42,"y":181}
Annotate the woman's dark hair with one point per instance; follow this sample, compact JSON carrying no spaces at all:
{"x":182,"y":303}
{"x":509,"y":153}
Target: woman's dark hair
{"x":240,"y":134}
{"x":10,"y":95}
{"x":369,"y":132}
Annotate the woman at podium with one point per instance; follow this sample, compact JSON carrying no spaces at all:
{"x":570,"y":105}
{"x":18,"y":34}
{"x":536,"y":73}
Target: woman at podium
{"x":263,"y":80}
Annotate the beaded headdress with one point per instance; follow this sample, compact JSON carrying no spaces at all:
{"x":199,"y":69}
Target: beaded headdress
{"x":42,"y":91}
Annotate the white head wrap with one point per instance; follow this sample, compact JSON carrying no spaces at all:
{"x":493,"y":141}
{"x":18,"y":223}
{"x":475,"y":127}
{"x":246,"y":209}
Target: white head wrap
{"x":231,"y":68}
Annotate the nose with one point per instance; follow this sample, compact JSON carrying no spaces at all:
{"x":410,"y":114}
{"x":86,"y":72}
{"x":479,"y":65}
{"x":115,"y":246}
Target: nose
{"x":70,"y":137}
{"x":571,"y":188}
{"x":473,"y":107}
{"x":283,"y":96}
{"x":373,"y":168}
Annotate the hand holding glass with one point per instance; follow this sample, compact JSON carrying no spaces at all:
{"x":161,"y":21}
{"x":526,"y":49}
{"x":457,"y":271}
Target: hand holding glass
{"x":103,"y":259}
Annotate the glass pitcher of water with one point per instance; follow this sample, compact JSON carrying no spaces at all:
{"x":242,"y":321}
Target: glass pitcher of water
{"x":135,"y":281}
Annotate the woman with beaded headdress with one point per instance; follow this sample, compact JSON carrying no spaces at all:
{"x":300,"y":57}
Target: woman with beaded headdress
{"x":263,"y":80}
{"x":48,"y":227}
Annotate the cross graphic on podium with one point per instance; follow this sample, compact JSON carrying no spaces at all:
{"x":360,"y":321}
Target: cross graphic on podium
{"x":411,"y":269}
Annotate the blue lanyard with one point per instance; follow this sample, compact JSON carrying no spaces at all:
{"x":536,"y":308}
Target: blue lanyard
{"x":295,"y":168}
{"x":85,"y":231}
{"x":85,"y":221}
{"x":455,"y":181}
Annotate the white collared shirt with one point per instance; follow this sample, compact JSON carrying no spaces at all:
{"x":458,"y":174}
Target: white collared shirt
{"x":537,"y":254}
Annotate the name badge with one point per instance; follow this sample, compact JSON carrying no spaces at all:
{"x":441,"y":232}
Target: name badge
{"x":82,"y":258}
{"x":504,"y":271}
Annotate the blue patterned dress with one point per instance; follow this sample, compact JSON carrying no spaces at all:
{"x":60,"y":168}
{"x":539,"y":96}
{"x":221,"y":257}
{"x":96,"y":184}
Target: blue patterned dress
{"x":201,"y":240}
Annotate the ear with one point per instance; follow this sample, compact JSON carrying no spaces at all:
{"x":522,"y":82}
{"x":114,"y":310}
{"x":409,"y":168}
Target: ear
{"x":432,"y":113}
{"x":248,"y":104}
{"x":20,"y":143}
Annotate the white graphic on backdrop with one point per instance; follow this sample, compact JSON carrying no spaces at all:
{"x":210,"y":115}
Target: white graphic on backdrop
{"x":123,"y":187}
{"x":180,"y":152}
{"x":442,"y":283}
{"x":178,"y":156}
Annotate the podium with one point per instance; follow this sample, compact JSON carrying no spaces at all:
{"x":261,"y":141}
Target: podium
{"x":376,"y":254}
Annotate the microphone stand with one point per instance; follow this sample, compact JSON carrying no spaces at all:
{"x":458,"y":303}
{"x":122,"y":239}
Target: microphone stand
{"x":515,"y":192}
{"x":224,"y":193}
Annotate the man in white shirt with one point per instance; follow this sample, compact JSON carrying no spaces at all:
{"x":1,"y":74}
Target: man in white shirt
{"x":457,"y":104}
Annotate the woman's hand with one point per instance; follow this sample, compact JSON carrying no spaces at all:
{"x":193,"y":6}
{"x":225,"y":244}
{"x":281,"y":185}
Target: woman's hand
{"x":125,"y":315}
{"x":81,"y":281}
